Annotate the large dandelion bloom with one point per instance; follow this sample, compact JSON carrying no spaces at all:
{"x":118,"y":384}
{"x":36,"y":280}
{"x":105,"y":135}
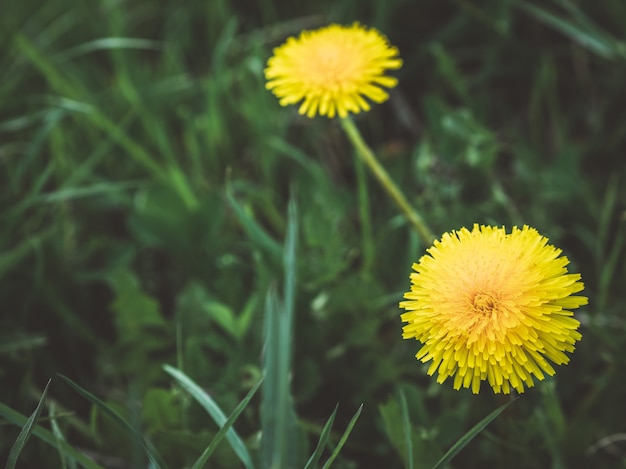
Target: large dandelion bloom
{"x":493,"y":306}
{"x":333,"y":69}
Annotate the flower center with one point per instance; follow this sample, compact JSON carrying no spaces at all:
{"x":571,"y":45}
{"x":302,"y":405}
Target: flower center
{"x":332,"y":66}
{"x":485,"y":304}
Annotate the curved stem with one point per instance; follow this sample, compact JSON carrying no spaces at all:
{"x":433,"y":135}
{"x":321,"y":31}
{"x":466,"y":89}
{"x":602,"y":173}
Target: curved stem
{"x":366,"y":154}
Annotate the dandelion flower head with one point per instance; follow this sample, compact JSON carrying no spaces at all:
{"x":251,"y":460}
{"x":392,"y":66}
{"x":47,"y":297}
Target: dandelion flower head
{"x":493,"y":306}
{"x":333,"y":70}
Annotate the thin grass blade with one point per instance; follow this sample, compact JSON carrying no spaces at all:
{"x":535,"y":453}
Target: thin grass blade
{"x":344,"y":438}
{"x":17,"y":343}
{"x":587,"y":39}
{"x":279,"y":444}
{"x":27,"y":430}
{"x":58,"y":434}
{"x":48,"y":437}
{"x":199,"y":464}
{"x":252,"y":228}
{"x":107,"y":43}
{"x":469,"y":436}
{"x":289,"y":264}
{"x":321,"y":443}
{"x":213,"y":410}
{"x":585,"y":22}
{"x":10,"y":259}
{"x":148,"y":448}
{"x":73,"y":91}
{"x":406,"y":424}
{"x":72,"y":193}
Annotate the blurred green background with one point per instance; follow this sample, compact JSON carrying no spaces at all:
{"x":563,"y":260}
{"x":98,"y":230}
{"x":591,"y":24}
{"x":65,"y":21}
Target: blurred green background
{"x":144,"y":179}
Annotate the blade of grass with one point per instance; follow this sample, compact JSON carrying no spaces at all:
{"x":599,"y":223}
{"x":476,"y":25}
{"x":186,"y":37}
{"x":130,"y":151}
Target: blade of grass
{"x":586,"y":22}
{"x":469,"y":436}
{"x":244,"y":319}
{"x":278,"y":417}
{"x":16,"y":343}
{"x":587,"y":39}
{"x":213,"y":410}
{"x":58,"y":434}
{"x":148,"y":448}
{"x":12,"y":258}
{"x":27,"y":430}
{"x":252,"y":228}
{"x":71,"y":90}
{"x":285,"y":148}
{"x":343,"y":438}
{"x":48,"y":437}
{"x":101,"y":188}
{"x":406,"y":424}
{"x":609,"y":267}
{"x":199,"y":464}
{"x":321,"y":443}
{"x":289,"y":264}
{"x":106,"y":43}
{"x":275,"y":403}
{"x":36,"y":145}
{"x":606,"y":212}
{"x":223,"y":43}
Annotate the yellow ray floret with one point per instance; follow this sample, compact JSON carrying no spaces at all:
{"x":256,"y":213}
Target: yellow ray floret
{"x":333,"y":70}
{"x":491,"y":306}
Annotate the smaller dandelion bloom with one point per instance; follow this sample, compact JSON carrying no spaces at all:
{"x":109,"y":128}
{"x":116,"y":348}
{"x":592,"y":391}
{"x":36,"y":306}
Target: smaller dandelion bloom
{"x":491,"y":306}
{"x":333,"y":70}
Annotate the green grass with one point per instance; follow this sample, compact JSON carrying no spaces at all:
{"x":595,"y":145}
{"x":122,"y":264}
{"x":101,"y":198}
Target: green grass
{"x":145,"y":180}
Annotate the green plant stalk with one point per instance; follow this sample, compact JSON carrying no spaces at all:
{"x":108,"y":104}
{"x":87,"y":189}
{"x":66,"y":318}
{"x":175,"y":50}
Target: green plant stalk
{"x":367,"y":155}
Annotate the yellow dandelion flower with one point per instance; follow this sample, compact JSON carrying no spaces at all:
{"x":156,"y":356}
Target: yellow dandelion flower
{"x":333,"y":69}
{"x":493,"y":306}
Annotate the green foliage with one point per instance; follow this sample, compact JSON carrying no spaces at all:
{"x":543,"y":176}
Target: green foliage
{"x":343,"y":439}
{"x":153,"y":456}
{"x":415,"y":443}
{"x":325,"y":433}
{"x":145,"y":183}
{"x":465,"y":439}
{"x":66,"y":450}
{"x":218,"y":416}
{"x":27,"y":430}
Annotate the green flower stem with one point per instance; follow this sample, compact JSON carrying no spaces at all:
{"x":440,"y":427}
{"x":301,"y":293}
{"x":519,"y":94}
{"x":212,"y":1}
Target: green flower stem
{"x":366,"y":154}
